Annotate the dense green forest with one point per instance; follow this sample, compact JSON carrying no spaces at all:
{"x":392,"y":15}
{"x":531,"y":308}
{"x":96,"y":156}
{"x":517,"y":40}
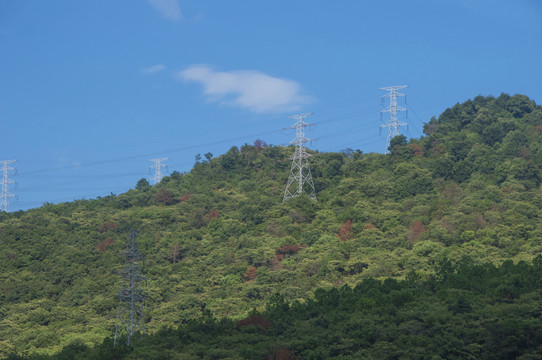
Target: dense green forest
{"x":464,"y":311}
{"x":220,"y":245}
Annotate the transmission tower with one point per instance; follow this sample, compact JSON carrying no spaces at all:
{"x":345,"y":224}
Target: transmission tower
{"x":4,"y":201}
{"x":130,"y":316}
{"x":157,"y":166}
{"x":393,"y":122}
{"x":300,"y":172}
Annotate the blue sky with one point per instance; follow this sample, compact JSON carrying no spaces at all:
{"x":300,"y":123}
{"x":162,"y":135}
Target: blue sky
{"x":91,"y":90}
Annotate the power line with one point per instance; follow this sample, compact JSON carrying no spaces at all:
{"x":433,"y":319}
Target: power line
{"x":104,"y":193}
{"x":134,"y":157}
{"x":329,"y":119}
{"x":393,"y":122}
{"x":186,"y":148}
{"x":4,"y":199}
{"x":411,"y":109}
{"x":300,"y":173}
{"x":157,"y":166}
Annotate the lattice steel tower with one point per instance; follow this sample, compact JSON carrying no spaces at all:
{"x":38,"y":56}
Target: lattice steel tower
{"x":130,"y":315}
{"x":4,"y":200}
{"x":393,"y":122}
{"x":157,"y":166}
{"x":300,"y":172}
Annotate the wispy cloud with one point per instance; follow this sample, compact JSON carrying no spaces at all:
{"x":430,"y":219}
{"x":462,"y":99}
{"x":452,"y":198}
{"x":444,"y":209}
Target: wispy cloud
{"x":153,"y":69}
{"x":249,"y":89}
{"x":169,"y":9}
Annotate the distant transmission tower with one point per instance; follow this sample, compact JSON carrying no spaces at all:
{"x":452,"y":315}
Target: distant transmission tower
{"x":4,"y":201}
{"x":157,"y":166}
{"x":130,"y":315}
{"x":393,"y":122}
{"x":300,"y":172}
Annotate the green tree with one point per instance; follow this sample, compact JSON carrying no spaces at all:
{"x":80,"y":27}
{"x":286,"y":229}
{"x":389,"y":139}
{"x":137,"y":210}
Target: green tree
{"x":143,"y":185}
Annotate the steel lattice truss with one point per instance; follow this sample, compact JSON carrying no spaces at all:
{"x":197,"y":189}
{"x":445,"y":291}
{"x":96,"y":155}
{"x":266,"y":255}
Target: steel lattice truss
{"x":300,"y":172}
{"x":393,"y":123}
{"x":157,"y":166}
{"x":6,"y":181}
{"x":130,"y":316}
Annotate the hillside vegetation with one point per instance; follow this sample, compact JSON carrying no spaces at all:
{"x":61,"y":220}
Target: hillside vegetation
{"x":463,"y":311}
{"x":219,"y":242}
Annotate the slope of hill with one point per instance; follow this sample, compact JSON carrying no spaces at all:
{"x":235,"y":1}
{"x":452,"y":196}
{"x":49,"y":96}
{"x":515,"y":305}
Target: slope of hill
{"x":463,"y":311}
{"x":220,"y":240}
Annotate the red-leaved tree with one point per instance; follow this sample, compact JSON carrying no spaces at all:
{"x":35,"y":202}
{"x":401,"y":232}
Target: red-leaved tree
{"x":250,"y":274}
{"x":417,"y":150}
{"x":212,"y":215}
{"x":256,"y":320}
{"x":345,"y":232}
{"x":415,"y":230}
{"x":290,"y":249}
{"x":103,"y":244}
{"x":164,"y":197}
{"x":259,"y":144}
{"x":369,"y":226}
{"x":107,"y":226}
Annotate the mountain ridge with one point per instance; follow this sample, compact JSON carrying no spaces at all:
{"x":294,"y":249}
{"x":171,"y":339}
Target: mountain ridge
{"x":219,"y":238}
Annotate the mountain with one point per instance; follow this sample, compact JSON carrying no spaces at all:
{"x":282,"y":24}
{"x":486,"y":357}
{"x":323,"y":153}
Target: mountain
{"x":219,"y":242}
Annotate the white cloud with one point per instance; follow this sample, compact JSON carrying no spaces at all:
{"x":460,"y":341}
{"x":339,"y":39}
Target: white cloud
{"x":169,"y":9}
{"x":249,"y":89}
{"x":153,"y":69}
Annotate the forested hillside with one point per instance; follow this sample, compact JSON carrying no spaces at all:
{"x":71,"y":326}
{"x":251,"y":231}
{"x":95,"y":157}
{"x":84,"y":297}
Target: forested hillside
{"x":463,"y":311}
{"x":219,"y":242}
